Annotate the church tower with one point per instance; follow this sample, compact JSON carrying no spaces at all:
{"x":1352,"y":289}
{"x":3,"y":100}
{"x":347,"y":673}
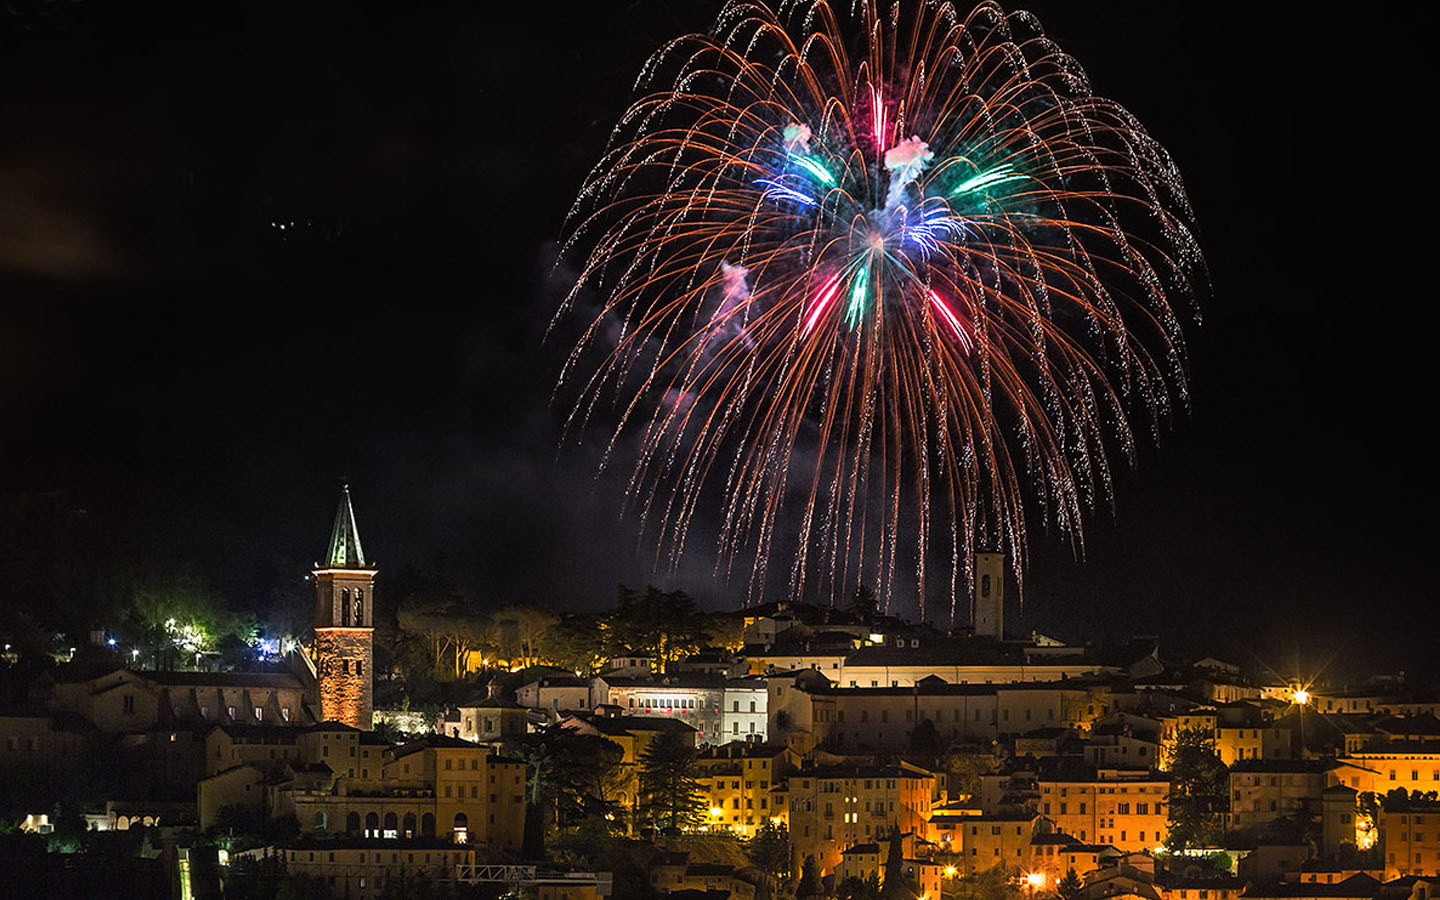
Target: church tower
{"x":989,"y":617}
{"x":345,"y":624}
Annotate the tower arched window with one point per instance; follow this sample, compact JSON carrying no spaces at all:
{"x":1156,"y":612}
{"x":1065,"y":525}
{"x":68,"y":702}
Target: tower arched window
{"x":984,"y":585}
{"x":344,"y":606}
{"x":359,"y":607}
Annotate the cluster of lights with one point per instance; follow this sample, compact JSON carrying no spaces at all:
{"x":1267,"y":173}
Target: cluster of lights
{"x":187,"y":636}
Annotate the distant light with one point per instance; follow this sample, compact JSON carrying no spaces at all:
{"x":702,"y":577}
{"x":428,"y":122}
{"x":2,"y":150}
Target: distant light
{"x":135,"y":654}
{"x":1302,"y":696}
{"x":950,"y":871}
{"x":716,"y":812}
{"x":111,"y":641}
{"x":1035,"y":879}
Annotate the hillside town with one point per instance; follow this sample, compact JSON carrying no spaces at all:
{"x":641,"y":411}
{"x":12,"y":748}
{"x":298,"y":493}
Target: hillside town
{"x":778,"y":751}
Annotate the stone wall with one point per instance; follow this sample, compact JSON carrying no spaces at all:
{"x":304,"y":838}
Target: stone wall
{"x":345,"y":662}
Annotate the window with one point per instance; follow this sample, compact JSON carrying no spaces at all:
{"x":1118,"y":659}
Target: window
{"x":259,"y":714}
{"x":128,"y":703}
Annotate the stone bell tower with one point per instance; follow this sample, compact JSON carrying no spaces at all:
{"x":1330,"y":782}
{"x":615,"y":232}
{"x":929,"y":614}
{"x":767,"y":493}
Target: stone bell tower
{"x":989,"y":603}
{"x":345,"y":624}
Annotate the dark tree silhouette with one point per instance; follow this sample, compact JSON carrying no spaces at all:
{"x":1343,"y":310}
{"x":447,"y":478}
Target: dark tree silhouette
{"x":669,"y":794}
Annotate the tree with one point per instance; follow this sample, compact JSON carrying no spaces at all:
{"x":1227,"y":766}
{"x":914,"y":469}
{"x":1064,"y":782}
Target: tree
{"x":1199,"y":789}
{"x":1070,"y":886}
{"x":175,"y":614}
{"x":769,"y":850}
{"x":864,"y":604}
{"x":725,"y":630}
{"x":669,"y":794}
{"x":522,"y":632}
{"x":448,"y":626}
{"x":924,"y":739}
{"x":965,"y":763}
{"x":809,"y":886}
{"x":572,"y":777}
{"x":856,"y":888}
{"x":656,"y":623}
{"x":897,"y":885}
{"x":577,"y":642}
{"x":994,"y":883}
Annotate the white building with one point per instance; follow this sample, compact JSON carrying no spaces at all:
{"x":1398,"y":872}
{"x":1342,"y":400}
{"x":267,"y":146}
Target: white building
{"x":719,"y":709}
{"x":695,"y":700}
{"x":746,"y":710}
{"x":554,"y":694}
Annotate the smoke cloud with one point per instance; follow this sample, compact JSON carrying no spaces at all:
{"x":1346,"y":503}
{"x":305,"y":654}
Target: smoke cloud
{"x":797,"y":138}
{"x":905,"y":161}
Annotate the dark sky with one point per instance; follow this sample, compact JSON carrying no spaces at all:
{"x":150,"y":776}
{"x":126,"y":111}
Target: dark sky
{"x":191,"y":373}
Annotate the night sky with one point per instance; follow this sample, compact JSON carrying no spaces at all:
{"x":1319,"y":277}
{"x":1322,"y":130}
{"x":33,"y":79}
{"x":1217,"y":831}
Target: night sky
{"x":200,"y":379}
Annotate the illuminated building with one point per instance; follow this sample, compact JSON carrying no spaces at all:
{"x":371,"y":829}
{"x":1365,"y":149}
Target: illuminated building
{"x":1123,"y":808}
{"x":674,"y":871}
{"x":989,"y":601}
{"x":1262,"y":790}
{"x":737,"y":779}
{"x":493,"y":719}
{"x":344,"y":625}
{"x":1409,"y":836}
{"x":808,"y":710}
{"x":835,"y":806}
{"x":720,"y":709}
{"x":554,"y":694}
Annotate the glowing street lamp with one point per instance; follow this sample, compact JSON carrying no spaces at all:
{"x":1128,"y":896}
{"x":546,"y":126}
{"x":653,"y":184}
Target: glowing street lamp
{"x":1301,"y":696}
{"x":1035,"y":880}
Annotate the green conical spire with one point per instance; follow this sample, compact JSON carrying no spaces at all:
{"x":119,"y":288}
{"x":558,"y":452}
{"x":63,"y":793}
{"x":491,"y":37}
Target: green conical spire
{"x":345,"y":552}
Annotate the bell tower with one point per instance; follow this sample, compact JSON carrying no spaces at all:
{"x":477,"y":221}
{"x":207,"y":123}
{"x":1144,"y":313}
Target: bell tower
{"x":345,"y":624}
{"x":989,"y":604}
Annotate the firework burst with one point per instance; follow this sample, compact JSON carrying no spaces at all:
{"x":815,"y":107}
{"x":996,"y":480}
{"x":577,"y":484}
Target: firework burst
{"x":873,"y":279}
